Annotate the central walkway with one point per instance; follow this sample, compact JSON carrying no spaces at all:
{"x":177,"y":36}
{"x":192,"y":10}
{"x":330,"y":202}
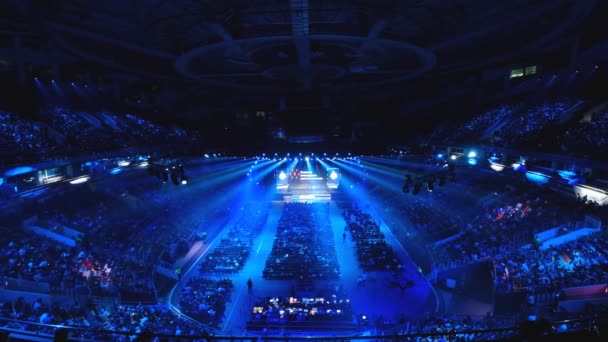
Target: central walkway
{"x":385,"y":295}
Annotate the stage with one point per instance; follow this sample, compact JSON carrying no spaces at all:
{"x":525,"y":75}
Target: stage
{"x":306,"y":187}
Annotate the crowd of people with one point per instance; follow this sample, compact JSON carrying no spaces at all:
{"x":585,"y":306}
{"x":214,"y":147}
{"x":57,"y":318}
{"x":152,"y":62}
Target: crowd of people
{"x":491,"y":220}
{"x":119,"y":240}
{"x":447,"y":324}
{"x":232,"y":251}
{"x":304,"y":247}
{"x":448,"y":327}
{"x":524,"y":128}
{"x":577,"y":263}
{"x":373,"y":252}
{"x":507,"y":224}
{"x":94,"y":318}
{"x":425,"y":220}
{"x":18,"y":135}
{"x":505,"y":233}
{"x":92,"y":266}
{"x":61,"y":132}
{"x":586,"y":137}
{"x":477,"y":126}
{"x":538,"y":127}
{"x":34,"y":258}
{"x":205,"y":299}
{"x":430,"y":221}
{"x":117,"y":252}
{"x":528,"y":126}
{"x":93,"y":132}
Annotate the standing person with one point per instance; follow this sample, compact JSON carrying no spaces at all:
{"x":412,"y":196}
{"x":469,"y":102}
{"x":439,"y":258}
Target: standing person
{"x":250,"y":286}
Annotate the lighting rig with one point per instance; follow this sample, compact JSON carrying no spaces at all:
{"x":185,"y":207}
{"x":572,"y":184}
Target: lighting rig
{"x":168,"y":170}
{"x":415,"y":179}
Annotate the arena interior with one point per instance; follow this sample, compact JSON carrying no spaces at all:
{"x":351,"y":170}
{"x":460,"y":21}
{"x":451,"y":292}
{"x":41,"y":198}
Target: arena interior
{"x":274,"y":170}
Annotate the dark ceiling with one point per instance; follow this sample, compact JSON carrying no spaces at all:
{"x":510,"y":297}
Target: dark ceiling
{"x":352,"y":52}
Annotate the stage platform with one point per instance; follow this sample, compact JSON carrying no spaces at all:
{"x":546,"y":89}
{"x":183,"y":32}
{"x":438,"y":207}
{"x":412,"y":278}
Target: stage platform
{"x":309,"y":191}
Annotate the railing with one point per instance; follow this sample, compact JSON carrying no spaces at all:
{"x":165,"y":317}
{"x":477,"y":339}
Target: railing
{"x":573,"y":110}
{"x":25,"y":285}
{"x":29,"y":331}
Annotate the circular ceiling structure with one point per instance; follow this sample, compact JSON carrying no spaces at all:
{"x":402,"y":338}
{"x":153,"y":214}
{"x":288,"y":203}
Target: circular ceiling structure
{"x":295,"y":62}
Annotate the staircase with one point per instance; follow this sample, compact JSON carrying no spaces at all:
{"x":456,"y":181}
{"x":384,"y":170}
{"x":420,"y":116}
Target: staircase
{"x":568,"y":115}
{"x":166,"y":269}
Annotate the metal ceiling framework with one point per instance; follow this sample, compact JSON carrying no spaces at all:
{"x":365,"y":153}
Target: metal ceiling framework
{"x":297,"y":45}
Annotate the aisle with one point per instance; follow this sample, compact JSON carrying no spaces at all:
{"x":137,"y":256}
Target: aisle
{"x":239,"y":308}
{"x":345,"y":250}
{"x":383,"y":294}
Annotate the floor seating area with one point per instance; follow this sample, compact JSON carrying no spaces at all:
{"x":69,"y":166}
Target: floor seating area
{"x":205,"y":299}
{"x":232,"y":251}
{"x":373,"y":252}
{"x":304,"y":248}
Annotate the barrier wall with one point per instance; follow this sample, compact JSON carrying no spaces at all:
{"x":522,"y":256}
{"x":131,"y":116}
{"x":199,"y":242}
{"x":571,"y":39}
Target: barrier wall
{"x":52,"y":235}
{"x":578,"y":299}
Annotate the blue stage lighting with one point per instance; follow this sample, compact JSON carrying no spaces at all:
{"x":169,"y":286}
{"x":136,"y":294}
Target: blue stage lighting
{"x":282,"y":175}
{"x":333,"y":175}
{"x":537,"y":177}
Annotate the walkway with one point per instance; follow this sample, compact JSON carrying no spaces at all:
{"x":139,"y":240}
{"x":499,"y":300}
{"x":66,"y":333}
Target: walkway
{"x":239,"y":309}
